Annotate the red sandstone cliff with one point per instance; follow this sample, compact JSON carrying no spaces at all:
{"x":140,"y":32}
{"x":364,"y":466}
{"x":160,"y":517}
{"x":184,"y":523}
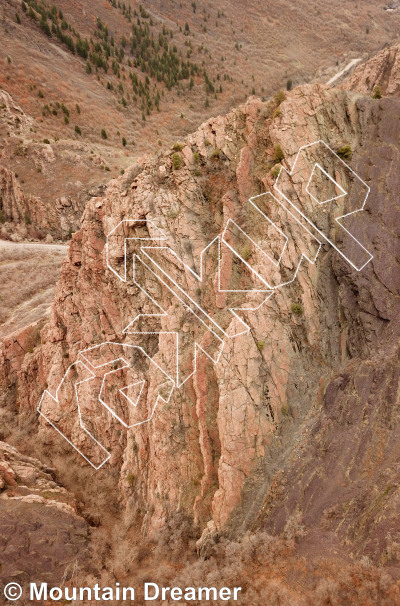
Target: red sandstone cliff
{"x":300,"y":415}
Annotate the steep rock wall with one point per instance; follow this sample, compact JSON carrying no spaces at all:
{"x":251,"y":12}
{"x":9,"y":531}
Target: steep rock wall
{"x":219,"y":446}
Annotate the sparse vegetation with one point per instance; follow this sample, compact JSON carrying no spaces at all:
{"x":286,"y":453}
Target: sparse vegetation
{"x":344,"y":152}
{"x":28,"y":277}
{"x":275,"y":170}
{"x":176,"y":161}
{"x":103,"y":133}
{"x":377,"y":92}
{"x":278,"y":153}
{"x":296,"y":308}
{"x":78,"y":130}
{"x":246,"y":253}
{"x":279,"y":97}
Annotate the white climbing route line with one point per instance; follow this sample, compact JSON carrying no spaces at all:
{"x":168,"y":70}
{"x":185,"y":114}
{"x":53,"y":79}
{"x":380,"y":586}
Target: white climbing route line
{"x":126,"y":381}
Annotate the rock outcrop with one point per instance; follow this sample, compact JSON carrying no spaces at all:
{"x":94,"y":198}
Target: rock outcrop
{"x":42,"y":535}
{"x":300,"y":413}
{"x":18,"y":208}
{"x":381,"y":70}
{"x":23,"y":215}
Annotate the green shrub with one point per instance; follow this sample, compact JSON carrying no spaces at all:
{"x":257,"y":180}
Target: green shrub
{"x":296,"y":308}
{"x":285,"y":410}
{"x":260,"y":345}
{"x":276,"y":170}
{"x":377,"y":92}
{"x":176,"y":161}
{"x":246,"y":253}
{"x":215,"y":154}
{"x":78,"y":130}
{"x":40,"y":93}
{"x":46,"y":141}
{"x":289,"y":84}
{"x":196,"y":157}
{"x":172,"y":214}
{"x":277,"y":113}
{"x":278,"y":153}
{"x":27,"y":219}
{"x":177,"y":147}
{"x":279,"y":97}
{"x":103,"y":134}
{"x":2,"y":217}
{"x":344,"y":152}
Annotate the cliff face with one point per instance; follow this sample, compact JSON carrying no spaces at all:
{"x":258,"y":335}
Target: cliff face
{"x":23,"y":215}
{"x":300,"y":414}
{"x":382,"y":70}
{"x":18,"y":208}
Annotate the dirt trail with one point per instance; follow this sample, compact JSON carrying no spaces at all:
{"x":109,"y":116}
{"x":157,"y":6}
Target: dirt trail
{"x":344,"y":71}
{"x":35,"y":245}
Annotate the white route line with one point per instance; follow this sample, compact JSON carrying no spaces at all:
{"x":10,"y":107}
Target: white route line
{"x":55,"y":398}
{"x":303,"y":255}
{"x":93,"y":376}
{"x":214,"y":328}
{"x":336,"y":184}
{"x":337,"y":219}
{"x":161,"y":237}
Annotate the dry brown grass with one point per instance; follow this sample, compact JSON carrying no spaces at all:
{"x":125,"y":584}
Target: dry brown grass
{"x":28,"y":275}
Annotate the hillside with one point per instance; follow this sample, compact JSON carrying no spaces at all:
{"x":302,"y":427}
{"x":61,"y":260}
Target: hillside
{"x":88,"y":91}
